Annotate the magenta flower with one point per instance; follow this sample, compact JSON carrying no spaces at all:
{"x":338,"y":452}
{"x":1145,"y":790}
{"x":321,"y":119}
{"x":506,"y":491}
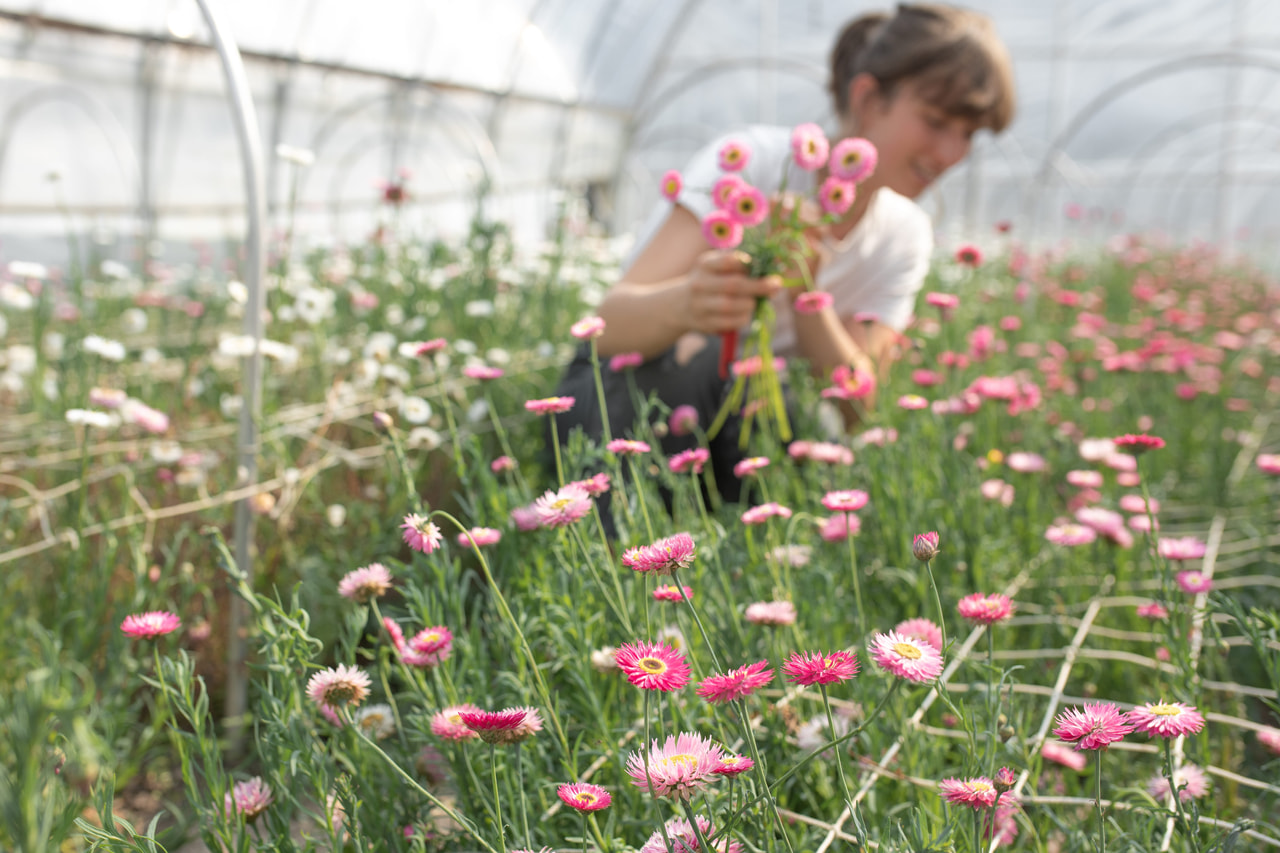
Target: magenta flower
{"x":1190,"y":779}
{"x":924,"y":546}
{"x":342,"y":685}
{"x":550,"y":405}
{"x":448,"y":723}
{"x":848,"y":383}
{"x":1193,"y":582}
{"x":421,"y":534}
{"x":501,"y":464}
{"x":155,"y":623}
{"x":968,"y":255}
{"x":653,"y":666}
{"x":672,"y":184}
{"x":679,"y":768}
{"x":1136,"y":445}
{"x":906,"y":657}
{"x":809,"y":147}
{"x":985,"y":609}
{"x":429,"y":647}
{"x":921,"y":629}
{"x":1166,"y":719}
{"x":749,"y":207}
{"x":494,"y":727}
{"x":771,"y":613}
{"x":671,"y":592}
{"x":721,"y":230}
{"x":813,"y":302}
{"x":853,"y":159}
{"x":248,"y":799}
{"x":976,"y":793}
{"x":1270,"y":738}
{"x":1184,"y":548}
{"x":1268,"y":463}
{"x":360,"y":585}
{"x":734,"y":765}
{"x":587,"y":328}
{"x":725,"y":188}
{"x":686,"y":460}
{"x":1096,"y":727}
{"x":663,"y":557}
{"x":764,"y":512}
{"x":584,"y":796}
{"x":846,"y":500}
{"x":562,"y":508}
{"x":734,"y":156}
{"x":596,"y":484}
{"x":945,"y":301}
{"x":623,"y":446}
{"x":625,"y":361}
{"x":736,"y":684}
{"x":809,"y":668}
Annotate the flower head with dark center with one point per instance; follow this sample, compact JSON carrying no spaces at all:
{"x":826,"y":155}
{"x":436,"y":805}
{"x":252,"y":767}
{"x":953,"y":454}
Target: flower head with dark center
{"x":338,"y":686}
{"x":809,"y":668}
{"x":653,"y":666}
{"x":249,"y":798}
{"x":362,"y":584}
{"x":584,"y":796}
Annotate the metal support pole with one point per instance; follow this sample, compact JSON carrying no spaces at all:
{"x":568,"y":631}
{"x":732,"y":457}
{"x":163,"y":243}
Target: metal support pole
{"x":246,"y":121}
{"x":147,"y":61}
{"x":1230,"y":119}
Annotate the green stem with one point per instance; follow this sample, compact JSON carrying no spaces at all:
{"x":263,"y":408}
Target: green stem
{"x":857,"y":585}
{"x":937,"y":600}
{"x":604,"y":408}
{"x":703,"y":631}
{"x":386,"y":685}
{"x":497,"y":800}
{"x":644,"y":753}
{"x":844,"y":782}
{"x":1102,"y":827}
{"x":524,"y":803}
{"x":555,"y":445}
{"x":640,"y":494}
{"x":992,"y":703}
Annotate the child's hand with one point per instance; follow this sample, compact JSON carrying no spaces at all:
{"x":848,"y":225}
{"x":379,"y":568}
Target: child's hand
{"x":721,"y":297}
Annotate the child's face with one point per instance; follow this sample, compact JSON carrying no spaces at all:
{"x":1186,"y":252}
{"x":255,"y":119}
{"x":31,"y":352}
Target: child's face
{"x":917,"y":141}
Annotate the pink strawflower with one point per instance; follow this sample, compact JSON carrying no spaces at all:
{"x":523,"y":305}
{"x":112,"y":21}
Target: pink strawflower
{"x":1135,"y":445}
{"x":343,"y":685}
{"x":749,"y":466}
{"x":1026,"y":463}
{"x":1193,"y":582}
{"x":976,"y":793}
{"x":622,"y":446}
{"x":672,"y":184}
{"x":154,"y":623}
{"x":912,"y":402}
{"x":248,"y":799}
{"x":848,"y":383}
{"x":360,"y":585}
{"x":985,"y":609}
{"x":725,"y":188}
{"x":1096,"y":727}
{"x":679,"y":768}
{"x":835,"y":196}
{"x":808,"y":668}
{"x":853,"y":159}
{"x":421,"y":534}
{"x":813,"y":302}
{"x":683,"y":420}
{"x":1189,"y":778}
{"x":1070,"y":534}
{"x":684,"y":839}
{"x":734,"y":765}
{"x":1085,"y":479}
{"x":1005,"y":779}
{"x":809,"y":147}
{"x":924,"y":546}
{"x":397,"y":635}
{"x":838,"y":528}
{"x":996,"y":489}
{"x":1166,"y":719}
{"x":721,"y":230}
{"x":525,"y":518}
{"x":653,"y":666}
{"x":428,"y":347}
{"x":945,"y":301}
{"x":483,"y":372}
{"x":563,"y":507}
{"x":663,"y":557}
{"x":968,"y":255}
{"x":1268,"y":463}
{"x":448,"y":723}
{"x":494,"y":727}
{"x":734,"y":156}
{"x":550,"y":405}
{"x":736,"y":684}
{"x":764,"y":512}
{"x":749,"y":207}
{"x":1184,"y":548}
{"x":1141,"y":523}
{"x":429,"y":647}
{"x":625,"y":361}
{"x":1270,"y":738}
{"x":584,"y":796}
{"x":1135,"y":503}
{"x":691,"y":459}
{"x":771,"y":613}
{"x":529,"y":726}
{"x":846,"y":500}
{"x":1153,"y":610}
{"x":671,"y":592}
{"x":596,"y":484}
{"x":921,"y":629}
{"x":501,"y":464}
{"x":587,"y":328}
{"x":1060,"y":754}
{"x":906,"y":657}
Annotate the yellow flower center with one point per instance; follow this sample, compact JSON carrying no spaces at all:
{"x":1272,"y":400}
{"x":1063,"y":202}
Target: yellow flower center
{"x":730,"y":760}
{"x":560,"y":504}
{"x":995,"y":457}
{"x":979,"y":785}
{"x":1164,"y":709}
{"x":585,"y":797}
{"x":433,"y":637}
{"x":908,"y":651}
{"x":684,"y":760}
{"x":653,"y":666}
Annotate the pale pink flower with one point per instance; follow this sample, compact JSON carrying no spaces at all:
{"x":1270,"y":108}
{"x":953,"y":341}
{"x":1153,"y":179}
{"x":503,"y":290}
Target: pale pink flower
{"x":1152,"y":610}
{"x":1270,"y":738}
{"x":1070,"y":534}
{"x":526,"y":518}
{"x":663,"y":557}
{"x":248,"y":799}
{"x":672,"y":184}
{"x":1060,"y":754}
{"x":1189,"y":778}
{"x":734,"y":156}
{"x":1026,"y":463}
{"x":827,"y":452}
{"x":791,"y":555}
{"x":836,"y":196}
{"x":976,"y":793}
{"x":334,"y":687}
{"x":945,"y":301}
{"x":360,"y":585}
{"x":428,"y":347}
{"x":1193,"y":582}
{"x":771,"y":613}
{"x":623,"y":446}
{"x":563,"y":507}
{"x":421,"y":534}
{"x":985,"y":609}
{"x":683,"y":420}
{"x":748,"y":206}
{"x":1142,"y":523}
{"x":813,"y":302}
{"x":849,"y":383}
{"x":671,"y":592}
{"x":595,"y":485}
{"x":749,"y":466}
{"x":110,"y":398}
{"x":853,"y":159}
{"x":1268,"y":463}
{"x":152,"y":624}
{"x":587,"y":328}
{"x":838,"y":528}
{"x":921,"y":629}
{"x":809,"y":147}
{"x":689,"y":460}
{"x":997,"y":490}
{"x":762,"y":513}
{"x":1085,"y":479}
{"x":721,"y":230}
{"x":550,"y":405}
{"x":845,"y":500}
{"x":483,"y":372}
{"x":429,"y":647}
{"x":1184,"y":548}
{"x":1097,"y":726}
{"x":481,"y":536}
{"x":1135,"y":503}
{"x":912,"y":402}
{"x":501,"y":464}
{"x":906,"y":657}
{"x":1166,"y":719}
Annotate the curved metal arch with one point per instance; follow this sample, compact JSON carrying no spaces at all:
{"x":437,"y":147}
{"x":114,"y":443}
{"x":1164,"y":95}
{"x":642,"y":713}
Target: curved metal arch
{"x":98,"y":114}
{"x":1179,"y":187}
{"x":703,"y":73}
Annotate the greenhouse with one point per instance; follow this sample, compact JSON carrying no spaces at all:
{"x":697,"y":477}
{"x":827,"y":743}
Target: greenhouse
{"x":678,"y":425}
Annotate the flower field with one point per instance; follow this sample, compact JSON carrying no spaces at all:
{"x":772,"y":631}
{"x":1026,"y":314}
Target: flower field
{"x":1038,"y":585}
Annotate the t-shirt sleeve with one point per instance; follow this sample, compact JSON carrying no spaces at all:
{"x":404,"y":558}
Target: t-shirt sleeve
{"x":895,"y":279}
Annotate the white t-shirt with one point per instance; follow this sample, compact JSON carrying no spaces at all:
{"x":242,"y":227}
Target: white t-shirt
{"x":877,"y":268}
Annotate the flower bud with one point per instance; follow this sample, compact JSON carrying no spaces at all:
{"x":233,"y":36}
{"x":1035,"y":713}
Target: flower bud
{"x":925,"y":546}
{"x":382,"y":421}
{"x":1005,"y":779}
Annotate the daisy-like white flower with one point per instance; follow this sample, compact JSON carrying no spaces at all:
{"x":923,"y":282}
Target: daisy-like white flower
{"x":623,"y":446}
{"x":922,"y":629}
{"x":685,"y":840}
{"x":1193,"y":582}
{"x":736,"y":684}
{"x":448,"y":723}
{"x":341,"y":685}
{"x":360,"y":585}
{"x":678,"y":768}
{"x":689,"y":460}
{"x":1099,"y":725}
{"x":985,"y":609}
{"x":421,"y":534}
{"x":1060,"y":754}
{"x":653,"y":666}
{"x":845,"y":500}
{"x":563,"y":507}
{"x":481,"y":536}
{"x":1189,"y":778}
{"x":494,"y":727}
{"x":671,"y":592}
{"x":663,"y":557}
{"x":584,"y":796}
{"x":1166,"y":719}
{"x":604,"y":659}
{"x":976,"y":793}
{"x":249,"y":798}
{"x":906,"y":657}
{"x":764,"y":512}
{"x":924,"y":546}
{"x":1070,"y":534}
{"x":795,"y":556}
{"x":771,"y":613}
{"x":152,"y":624}
{"x":550,"y":405}
{"x":808,"y":668}
{"x":376,"y":720}
{"x":1136,"y":445}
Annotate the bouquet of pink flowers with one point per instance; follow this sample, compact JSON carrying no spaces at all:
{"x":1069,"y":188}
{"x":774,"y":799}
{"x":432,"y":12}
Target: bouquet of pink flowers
{"x":771,"y":232}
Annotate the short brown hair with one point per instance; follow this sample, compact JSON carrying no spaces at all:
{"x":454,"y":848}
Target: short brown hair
{"x":953,"y":55}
